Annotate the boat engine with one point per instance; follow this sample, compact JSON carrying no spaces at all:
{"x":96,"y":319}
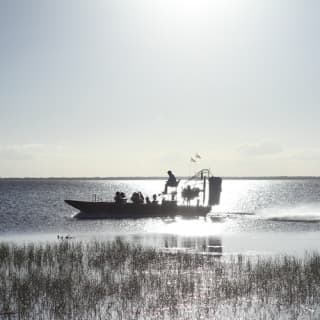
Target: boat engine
{"x":214,"y":190}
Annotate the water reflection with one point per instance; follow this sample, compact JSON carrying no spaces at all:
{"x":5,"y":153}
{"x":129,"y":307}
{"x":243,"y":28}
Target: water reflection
{"x":210,"y":226}
{"x":174,"y":242}
{"x":194,"y":244}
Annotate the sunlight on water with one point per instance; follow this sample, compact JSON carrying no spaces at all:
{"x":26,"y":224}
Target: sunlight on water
{"x":194,"y":227}
{"x":241,"y":196}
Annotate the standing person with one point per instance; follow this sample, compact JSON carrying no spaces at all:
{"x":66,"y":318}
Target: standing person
{"x":171,"y":182}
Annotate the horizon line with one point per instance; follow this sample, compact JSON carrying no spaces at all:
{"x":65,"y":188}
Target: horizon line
{"x":155,"y":177}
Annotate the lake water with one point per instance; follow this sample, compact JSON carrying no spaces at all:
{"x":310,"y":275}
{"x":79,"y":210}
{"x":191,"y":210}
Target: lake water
{"x":254,"y":216}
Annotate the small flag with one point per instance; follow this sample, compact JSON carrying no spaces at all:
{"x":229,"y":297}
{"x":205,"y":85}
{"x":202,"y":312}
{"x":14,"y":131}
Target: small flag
{"x":197,"y":155}
{"x":192,"y":160}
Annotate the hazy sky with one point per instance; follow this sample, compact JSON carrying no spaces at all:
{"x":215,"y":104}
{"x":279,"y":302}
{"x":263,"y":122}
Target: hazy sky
{"x":136,"y":87}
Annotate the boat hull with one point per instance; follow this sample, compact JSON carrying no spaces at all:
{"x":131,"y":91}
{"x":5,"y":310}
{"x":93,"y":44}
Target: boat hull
{"x":112,"y":210}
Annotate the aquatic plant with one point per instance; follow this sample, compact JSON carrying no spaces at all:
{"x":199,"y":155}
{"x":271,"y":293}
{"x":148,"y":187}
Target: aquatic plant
{"x":101,"y":280}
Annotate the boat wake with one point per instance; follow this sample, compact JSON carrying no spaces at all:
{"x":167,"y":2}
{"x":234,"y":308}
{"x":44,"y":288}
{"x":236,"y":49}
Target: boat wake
{"x":304,"y":214}
{"x":296,"y":219}
{"x":241,"y":213}
{"x":230,"y":214}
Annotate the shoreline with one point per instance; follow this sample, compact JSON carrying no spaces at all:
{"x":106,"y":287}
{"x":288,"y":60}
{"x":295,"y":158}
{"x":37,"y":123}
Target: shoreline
{"x":224,"y":245}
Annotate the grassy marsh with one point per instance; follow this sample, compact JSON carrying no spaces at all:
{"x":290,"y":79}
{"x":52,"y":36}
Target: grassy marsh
{"x":117,"y":280}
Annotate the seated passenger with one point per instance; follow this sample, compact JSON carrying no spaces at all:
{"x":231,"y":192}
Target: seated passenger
{"x":141,"y":197}
{"x":123,"y":197}
{"x":154,"y":199}
{"x":171,"y":182}
{"x":135,"y":198}
{"x":120,"y":197}
{"x":117,"y":197}
{"x":148,"y":200}
{"x":187,"y":194}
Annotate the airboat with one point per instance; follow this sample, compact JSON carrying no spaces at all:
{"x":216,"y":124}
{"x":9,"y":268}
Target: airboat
{"x":189,"y":198}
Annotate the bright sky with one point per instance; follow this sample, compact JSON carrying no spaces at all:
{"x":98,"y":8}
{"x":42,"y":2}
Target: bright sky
{"x":137,"y":87}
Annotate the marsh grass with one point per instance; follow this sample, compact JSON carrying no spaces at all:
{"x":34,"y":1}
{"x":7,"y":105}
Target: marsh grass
{"x":116,"y":280}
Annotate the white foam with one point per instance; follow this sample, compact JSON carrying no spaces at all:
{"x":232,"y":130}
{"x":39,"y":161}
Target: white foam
{"x":301,"y":213}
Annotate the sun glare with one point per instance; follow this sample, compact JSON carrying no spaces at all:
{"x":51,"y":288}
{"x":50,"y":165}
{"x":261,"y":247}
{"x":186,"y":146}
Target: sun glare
{"x":200,"y":227}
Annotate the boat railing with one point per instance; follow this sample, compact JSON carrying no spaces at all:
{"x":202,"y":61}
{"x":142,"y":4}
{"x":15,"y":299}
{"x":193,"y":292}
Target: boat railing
{"x":95,"y":198}
{"x":203,"y":173}
{"x":199,"y":181}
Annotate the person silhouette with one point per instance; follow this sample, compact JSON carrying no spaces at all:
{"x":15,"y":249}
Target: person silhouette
{"x":171,"y":182}
{"x":154,"y":199}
